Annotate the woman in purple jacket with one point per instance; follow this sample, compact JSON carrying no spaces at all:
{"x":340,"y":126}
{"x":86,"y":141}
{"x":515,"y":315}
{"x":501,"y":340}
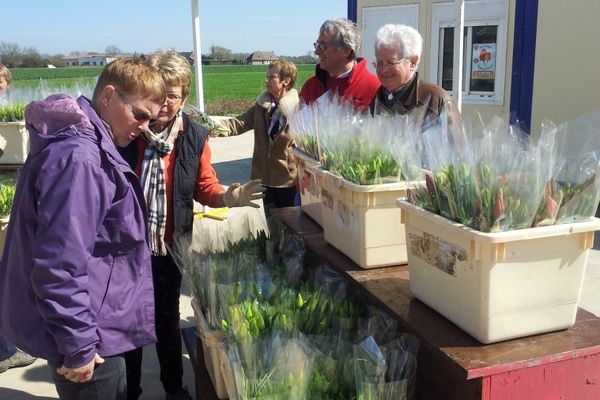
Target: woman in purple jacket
{"x":76,"y":285}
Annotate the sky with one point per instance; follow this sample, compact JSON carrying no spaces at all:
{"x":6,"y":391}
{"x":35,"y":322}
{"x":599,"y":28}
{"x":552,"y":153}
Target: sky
{"x":60,"y":27}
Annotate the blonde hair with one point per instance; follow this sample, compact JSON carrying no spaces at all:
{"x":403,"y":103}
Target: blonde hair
{"x":132,"y":77}
{"x":174,"y":69}
{"x":4,"y":72}
{"x":286,"y":69}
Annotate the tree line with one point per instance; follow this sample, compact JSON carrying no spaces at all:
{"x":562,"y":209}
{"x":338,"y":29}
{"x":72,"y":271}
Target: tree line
{"x":13,"y":56}
{"x":222,"y":55}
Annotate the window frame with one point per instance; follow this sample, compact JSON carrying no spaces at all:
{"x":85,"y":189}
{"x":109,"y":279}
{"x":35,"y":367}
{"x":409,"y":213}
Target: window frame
{"x":477,"y":13}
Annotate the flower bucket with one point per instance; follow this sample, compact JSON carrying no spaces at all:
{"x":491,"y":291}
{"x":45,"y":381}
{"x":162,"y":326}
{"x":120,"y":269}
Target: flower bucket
{"x":360,"y":220}
{"x":17,"y":142}
{"x":310,"y":192}
{"x":497,"y":286}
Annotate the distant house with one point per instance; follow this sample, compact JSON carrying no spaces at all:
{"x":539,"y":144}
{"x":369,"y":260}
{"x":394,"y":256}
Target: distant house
{"x":261,"y":57}
{"x":95,"y":60}
{"x":190,"y":56}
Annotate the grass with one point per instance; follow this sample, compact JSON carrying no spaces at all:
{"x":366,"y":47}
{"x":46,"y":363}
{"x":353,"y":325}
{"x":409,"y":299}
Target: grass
{"x":228,"y":89}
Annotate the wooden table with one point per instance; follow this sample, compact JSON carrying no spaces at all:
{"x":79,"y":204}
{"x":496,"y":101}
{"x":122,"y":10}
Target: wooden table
{"x":451,"y":364}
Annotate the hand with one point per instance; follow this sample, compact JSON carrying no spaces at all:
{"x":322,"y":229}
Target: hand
{"x":219,"y":131}
{"x":242,"y":195}
{"x":80,"y":374}
{"x":2,"y":143}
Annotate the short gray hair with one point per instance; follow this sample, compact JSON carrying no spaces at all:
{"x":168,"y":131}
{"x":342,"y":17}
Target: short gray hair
{"x":404,"y":36}
{"x":348,"y":35}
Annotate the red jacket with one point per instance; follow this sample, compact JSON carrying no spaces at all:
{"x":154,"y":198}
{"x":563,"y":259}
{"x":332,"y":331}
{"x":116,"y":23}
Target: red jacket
{"x":360,"y":87}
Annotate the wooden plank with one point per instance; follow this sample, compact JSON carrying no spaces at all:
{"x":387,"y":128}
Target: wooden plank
{"x":577,"y":378}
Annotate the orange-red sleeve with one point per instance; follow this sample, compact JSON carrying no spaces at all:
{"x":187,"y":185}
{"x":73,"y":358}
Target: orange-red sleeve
{"x":208,"y":189}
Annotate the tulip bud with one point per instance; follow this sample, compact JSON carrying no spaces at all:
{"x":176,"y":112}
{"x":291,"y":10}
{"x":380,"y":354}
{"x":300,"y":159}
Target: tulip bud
{"x":429,"y":182}
{"x":499,"y":208}
{"x":551,"y":207}
{"x":411,"y":196}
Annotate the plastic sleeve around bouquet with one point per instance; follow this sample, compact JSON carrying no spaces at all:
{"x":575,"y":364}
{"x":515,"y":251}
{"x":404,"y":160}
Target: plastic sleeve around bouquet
{"x":215,"y":250}
{"x":574,"y":194}
{"x":492,"y":178}
{"x":276,"y":367}
{"x":333,"y":374}
{"x":386,"y":372}
{"x":359,"y":147}
{"x":204,"y":120}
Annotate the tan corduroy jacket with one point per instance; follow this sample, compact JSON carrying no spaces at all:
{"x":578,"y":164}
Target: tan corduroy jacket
{"x":272,"y":160}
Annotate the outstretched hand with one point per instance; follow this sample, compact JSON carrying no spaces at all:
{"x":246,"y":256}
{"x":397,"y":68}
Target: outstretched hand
{"x":238,"y":195}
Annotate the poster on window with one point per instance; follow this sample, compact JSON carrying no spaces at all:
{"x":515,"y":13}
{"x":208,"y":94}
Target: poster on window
{"x":484,"y":61}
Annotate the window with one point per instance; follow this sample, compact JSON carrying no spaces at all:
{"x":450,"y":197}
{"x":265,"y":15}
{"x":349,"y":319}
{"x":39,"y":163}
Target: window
{"x":484,"y":51}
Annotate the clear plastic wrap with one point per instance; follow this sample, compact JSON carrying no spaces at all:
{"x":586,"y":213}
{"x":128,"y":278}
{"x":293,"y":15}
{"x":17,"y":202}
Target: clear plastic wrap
{"x":495,"y":178}
{"x":386,"y":372}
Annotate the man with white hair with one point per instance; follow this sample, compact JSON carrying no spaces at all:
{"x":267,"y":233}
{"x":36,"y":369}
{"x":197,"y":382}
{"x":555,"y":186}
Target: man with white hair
{"x":339,"y":70}
{"x":397,"y":54}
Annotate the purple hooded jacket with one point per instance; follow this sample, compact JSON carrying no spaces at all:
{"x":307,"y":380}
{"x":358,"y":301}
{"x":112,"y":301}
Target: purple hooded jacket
{"x":75,"y":277}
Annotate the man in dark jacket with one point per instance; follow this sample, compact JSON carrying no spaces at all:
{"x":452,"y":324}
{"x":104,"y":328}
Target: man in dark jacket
{"x":76,"y":285}
{"x":397,"y":54}
{"x":339,"y":70}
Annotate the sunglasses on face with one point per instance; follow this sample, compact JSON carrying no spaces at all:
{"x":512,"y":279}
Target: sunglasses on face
{"x":138,"y":115}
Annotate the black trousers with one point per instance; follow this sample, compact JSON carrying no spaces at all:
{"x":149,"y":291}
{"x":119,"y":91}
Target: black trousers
{"x":167,"y":289}
{"x":108,"y":382}
{"x":279,"y":198}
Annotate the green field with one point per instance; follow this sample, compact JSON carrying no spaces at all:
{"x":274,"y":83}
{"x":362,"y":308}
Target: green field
{"x":228,"y":89}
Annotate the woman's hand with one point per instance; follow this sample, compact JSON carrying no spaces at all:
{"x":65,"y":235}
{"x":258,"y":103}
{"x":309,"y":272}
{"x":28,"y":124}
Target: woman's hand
{"x":81,"y":374}
{"x":242,"y":195}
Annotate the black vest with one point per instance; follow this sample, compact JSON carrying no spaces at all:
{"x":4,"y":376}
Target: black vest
{"x":190,"y":146}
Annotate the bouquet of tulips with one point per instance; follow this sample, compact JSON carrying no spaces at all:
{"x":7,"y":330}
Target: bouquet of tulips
{"x":386,"y":372}
{"x":369,"y":150}
{"x":203,"y":119}
{"x":303,"y":127}
{"x":496,"y":179}
{"x":288,"y":332}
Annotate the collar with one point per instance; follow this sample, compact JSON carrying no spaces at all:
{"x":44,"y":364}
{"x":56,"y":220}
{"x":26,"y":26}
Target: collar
{"x":401,"y":90}
{"x":346,"y":74}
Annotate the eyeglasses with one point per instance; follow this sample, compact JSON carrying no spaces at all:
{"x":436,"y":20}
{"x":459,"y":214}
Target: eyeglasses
{"x":320,"y":46}
{"x":173,"y":98}
{"x":271,"y":77}
{"x":388,"y":64}
{"x":139,"y":115}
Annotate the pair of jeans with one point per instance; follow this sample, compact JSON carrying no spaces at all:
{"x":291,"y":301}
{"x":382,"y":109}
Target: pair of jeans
{"x":108,"y":382}
{"x":167,"y":289}
{"x":7,"y":349}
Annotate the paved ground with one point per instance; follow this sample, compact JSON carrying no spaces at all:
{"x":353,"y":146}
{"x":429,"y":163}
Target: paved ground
{"x":231,"y":158}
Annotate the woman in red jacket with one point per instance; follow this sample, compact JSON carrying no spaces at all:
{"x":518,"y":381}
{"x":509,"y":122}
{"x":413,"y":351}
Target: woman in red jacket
{"x":174,"y":166}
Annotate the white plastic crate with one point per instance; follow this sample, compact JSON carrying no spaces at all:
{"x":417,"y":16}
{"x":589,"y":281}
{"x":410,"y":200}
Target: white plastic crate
{"x":310,"y":192}
{"x":497,"y":286}
{"x":362,"y":221}
{"x":17,"y":142}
